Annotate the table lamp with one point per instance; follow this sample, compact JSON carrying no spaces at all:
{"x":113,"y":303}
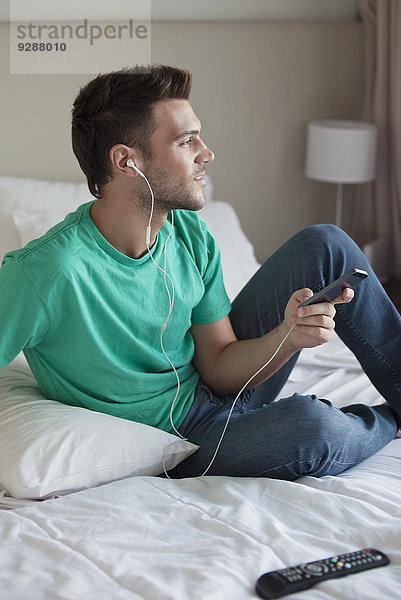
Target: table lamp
{"x":341,"y":151}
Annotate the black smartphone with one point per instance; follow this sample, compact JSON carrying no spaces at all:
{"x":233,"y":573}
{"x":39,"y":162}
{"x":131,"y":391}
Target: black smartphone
{"x":335,"y":289}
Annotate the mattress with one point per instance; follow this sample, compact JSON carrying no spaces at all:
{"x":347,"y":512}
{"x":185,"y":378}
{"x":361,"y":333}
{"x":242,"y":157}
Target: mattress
{"x":212,"y":537}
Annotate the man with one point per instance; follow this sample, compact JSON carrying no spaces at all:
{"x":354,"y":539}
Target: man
{"x":120,"y":311}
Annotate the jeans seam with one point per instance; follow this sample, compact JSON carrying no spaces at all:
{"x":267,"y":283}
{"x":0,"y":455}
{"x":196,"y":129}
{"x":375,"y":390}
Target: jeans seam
{"x":243,"y":400}
{"x":374,"y":352}
{"x":332,"y":461}
{"x":227,"y":399}
{"x":213,"y":399}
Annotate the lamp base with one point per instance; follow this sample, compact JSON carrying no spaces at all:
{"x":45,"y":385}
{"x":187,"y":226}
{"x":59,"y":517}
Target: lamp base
{"x":339,"y":205}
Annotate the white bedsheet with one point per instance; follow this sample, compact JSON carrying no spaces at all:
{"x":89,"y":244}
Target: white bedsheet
{"x":331,"y":371}
{"x":204,"y":538}
{"x":211,"y":538}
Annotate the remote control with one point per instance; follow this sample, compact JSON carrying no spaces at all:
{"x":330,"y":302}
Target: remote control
{"x":295,"y":579}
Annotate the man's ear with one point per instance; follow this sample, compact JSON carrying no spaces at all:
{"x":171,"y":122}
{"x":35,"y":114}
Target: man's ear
{"x":119,"y":155}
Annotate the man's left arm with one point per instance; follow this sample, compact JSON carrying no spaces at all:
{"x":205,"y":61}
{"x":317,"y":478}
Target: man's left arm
{"x":225,"y":363}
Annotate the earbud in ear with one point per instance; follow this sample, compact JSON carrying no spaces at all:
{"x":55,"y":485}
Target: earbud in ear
{"x":130,"y":163}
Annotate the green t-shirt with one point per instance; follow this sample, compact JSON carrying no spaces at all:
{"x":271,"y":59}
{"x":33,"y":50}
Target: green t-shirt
{"x":88,"y":318}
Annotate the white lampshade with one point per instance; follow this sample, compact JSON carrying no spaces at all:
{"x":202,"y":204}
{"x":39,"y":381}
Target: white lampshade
{"x":341,"y":151}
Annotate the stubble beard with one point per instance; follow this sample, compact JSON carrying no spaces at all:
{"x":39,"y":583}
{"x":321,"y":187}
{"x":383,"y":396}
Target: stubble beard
{"x":169,"y":193}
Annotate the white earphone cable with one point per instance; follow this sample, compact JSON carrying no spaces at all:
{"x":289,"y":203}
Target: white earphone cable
{"x":170,"y":295}
{"x":166,"y":276}
{"x":163,"y":328}
{"x":238,"y":395}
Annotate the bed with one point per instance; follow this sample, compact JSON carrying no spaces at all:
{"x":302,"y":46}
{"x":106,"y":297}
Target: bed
{"x":92,"y":518}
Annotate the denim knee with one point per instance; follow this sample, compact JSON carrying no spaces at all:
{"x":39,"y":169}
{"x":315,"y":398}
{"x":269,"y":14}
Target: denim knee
{"x":311,"y":415}
{"x":325,"y":235}
{"x":328,"y":441}
{"x":317,"y":428}
{"x":330,"y":249}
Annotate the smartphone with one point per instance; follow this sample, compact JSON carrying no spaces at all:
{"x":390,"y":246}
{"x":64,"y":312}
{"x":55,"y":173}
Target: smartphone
{"x":335,"y":289}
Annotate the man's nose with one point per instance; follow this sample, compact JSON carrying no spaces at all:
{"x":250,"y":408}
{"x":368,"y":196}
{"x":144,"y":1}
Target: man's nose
{"x":206,"y":155}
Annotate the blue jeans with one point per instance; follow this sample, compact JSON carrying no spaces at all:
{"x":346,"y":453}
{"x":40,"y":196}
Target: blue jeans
{"x":302,"y":435}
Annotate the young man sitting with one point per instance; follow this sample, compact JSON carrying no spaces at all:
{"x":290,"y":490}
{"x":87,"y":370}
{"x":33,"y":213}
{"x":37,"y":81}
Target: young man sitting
{"x":88,"y":302}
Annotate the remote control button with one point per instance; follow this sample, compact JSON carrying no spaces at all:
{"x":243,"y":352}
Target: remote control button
{"x":315,"y":569}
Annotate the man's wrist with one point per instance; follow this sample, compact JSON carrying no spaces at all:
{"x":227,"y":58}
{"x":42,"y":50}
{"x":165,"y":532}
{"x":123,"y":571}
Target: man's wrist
{"x":289,"y":345}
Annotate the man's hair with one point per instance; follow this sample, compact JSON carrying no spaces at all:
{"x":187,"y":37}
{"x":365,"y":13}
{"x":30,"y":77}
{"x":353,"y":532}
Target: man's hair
{"x":116,"y":108}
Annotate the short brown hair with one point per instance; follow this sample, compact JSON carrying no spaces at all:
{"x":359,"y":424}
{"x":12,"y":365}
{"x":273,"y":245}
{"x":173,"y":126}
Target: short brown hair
{"x":116,"y":108}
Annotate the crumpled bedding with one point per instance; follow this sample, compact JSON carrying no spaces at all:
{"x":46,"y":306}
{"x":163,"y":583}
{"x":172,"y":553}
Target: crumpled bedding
{"x":207,"y":538}
{"x":211,"y":538}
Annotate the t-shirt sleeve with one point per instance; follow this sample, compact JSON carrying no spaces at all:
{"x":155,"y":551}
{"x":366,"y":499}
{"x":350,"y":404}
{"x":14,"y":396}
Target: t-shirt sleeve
{"x":23,"y":318}
{"x":215,"y":303}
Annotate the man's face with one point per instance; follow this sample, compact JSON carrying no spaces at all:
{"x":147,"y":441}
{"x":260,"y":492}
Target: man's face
{"x":178,"y":158}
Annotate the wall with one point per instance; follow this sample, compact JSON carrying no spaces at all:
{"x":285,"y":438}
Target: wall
{"x":255,"y":87}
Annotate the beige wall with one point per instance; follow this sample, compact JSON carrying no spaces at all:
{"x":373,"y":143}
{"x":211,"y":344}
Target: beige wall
{"x":255,"y":87}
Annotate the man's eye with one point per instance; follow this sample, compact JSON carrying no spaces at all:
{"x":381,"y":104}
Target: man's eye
{"x":187,"y":142}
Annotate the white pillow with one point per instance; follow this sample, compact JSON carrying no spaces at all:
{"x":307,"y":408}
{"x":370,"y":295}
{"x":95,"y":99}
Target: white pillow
{"x":35,"y":195}
{"x":237,"y":254}
{"x":31,"y":225}
{"x":9,"y":237}
{"x":48,"y":448}
{"x":39,"y":194}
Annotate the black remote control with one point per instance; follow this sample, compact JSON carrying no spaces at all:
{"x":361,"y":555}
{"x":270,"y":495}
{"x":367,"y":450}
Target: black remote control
{"x":295,"y":579}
